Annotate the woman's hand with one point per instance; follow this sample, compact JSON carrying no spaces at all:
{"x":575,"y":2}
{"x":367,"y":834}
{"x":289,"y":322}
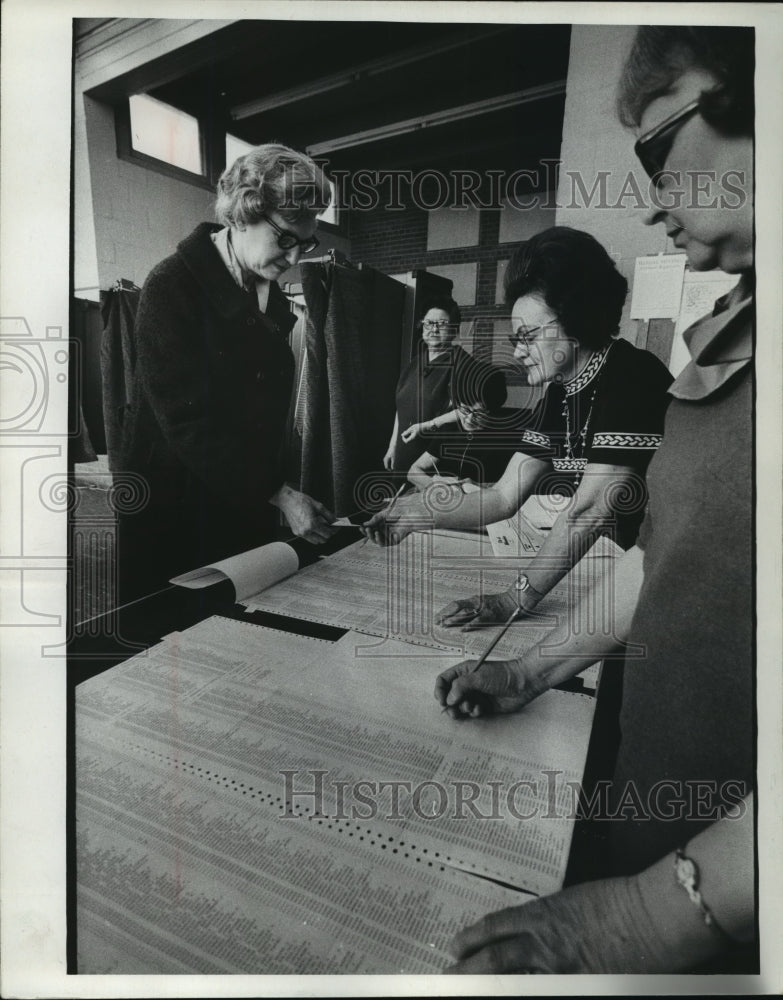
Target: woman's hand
{"x":496,"y":688}
{"x":479,"y":611}
{"x":388,"y":458}
{"x":414,"y":431}
{"x":600,"y":927}
{"x":307,"y":518}
{"x":399,"y":519}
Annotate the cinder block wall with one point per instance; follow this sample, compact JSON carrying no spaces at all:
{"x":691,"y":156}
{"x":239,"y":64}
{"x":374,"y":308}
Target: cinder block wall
{"x":140,"y":215}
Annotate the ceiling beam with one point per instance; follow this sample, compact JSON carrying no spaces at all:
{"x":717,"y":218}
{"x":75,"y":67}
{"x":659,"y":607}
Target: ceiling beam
{"x":125,"y":49}
{"x":444,"y":117}
{"x":356,"y":74}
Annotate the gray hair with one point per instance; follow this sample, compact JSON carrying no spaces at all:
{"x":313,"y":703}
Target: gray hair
{"x":271,"y":178}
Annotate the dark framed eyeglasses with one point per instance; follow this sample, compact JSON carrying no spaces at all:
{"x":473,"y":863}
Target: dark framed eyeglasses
{"x":287,"y":240}
{"x":529,"y":336}
{"x":653,"y":148}
{"x":472,"y":409}
{"x":437,"y":324}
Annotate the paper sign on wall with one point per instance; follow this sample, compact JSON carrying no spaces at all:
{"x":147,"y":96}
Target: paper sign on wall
{"x":657,"y":286}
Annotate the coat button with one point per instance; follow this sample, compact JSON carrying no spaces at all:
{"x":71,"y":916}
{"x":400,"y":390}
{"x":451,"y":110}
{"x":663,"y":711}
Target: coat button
{"x":259,"y":376}
{"x":251,"y":321}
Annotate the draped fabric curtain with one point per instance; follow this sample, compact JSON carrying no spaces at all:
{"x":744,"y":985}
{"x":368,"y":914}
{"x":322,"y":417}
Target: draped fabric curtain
{"x":353,"y":337}
{"x":118,"y":358}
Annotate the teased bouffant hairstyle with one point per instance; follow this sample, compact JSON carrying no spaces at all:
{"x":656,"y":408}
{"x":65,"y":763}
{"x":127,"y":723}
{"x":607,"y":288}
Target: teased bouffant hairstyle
{"x":661,"y":54}
{"x":447,"y":305}
{"x":478,"y":382}
{"x":271,"y":178}
{"x":576,"y":278}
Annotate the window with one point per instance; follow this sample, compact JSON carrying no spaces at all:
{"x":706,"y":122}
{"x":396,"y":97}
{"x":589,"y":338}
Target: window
{"x":235,"y":147}
{"x":165,"y":133}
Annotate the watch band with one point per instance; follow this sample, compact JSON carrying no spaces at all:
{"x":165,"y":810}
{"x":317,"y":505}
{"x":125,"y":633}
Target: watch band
{"x":524,"y":586}
{"x":686,"y":872}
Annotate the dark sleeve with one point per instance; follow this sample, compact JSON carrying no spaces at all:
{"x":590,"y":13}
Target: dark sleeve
{"x":407,"y":394}
{"x":437,"y":444}
{"x":543,"y":433}
{"x":627,"y":426}
{"x":645,"y":531}
{"x":215,"y":421}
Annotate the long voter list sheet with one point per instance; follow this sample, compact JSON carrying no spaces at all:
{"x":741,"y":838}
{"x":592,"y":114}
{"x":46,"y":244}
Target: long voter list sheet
{"x":201,"y":843}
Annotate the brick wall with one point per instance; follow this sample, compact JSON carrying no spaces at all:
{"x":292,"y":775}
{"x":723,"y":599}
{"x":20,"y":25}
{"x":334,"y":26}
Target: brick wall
{"x":395,"y":242}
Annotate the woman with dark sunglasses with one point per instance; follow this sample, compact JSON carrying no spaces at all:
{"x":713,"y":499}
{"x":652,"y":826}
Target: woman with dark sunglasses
{"x":213,"y":378}
{"x":679,"y":813}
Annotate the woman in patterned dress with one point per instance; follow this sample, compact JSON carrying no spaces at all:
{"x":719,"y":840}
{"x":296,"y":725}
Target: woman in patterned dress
{"x":592,"y":435}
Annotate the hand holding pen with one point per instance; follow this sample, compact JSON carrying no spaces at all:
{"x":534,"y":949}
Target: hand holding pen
{"x":382,"y":529}
{"x":468,"y":691}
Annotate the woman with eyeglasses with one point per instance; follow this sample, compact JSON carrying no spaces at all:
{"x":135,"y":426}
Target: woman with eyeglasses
{"x":592,"y":435}
{"x":476,"y":441}
{"x":213,"y":378}
{"x":675,"y":889}
{"x":423,"y":386}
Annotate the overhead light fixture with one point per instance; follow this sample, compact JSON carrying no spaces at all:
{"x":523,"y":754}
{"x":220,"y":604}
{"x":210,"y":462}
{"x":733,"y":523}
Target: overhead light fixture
{"x":356,"y":74}
{"x":444,"y":117}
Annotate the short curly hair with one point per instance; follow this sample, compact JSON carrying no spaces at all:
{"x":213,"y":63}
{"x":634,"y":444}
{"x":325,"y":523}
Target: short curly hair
{"x":445,"y":304}
{"x":662,"y":53}
{"x":271,"y":178}
{"x":576,"y":278}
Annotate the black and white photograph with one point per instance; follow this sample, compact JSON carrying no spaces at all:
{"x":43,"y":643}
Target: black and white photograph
{"x":391,"y":498}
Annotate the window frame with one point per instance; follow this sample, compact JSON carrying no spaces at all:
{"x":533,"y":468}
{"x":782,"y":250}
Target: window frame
{"x":210,"y":138}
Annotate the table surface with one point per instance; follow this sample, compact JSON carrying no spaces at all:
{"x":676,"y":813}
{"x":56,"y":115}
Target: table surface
{"x":160,"y":886}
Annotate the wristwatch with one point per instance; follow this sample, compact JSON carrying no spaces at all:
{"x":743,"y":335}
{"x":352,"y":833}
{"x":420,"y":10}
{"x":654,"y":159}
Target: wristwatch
{"x":524,"y":586}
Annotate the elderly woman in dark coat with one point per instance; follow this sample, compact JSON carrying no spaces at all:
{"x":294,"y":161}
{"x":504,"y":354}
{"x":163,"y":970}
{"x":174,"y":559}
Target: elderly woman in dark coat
{"x":214,"y":377}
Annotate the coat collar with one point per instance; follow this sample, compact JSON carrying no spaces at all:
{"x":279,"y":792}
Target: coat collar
{"x":228,"y":299}
{"x":720,"y":345}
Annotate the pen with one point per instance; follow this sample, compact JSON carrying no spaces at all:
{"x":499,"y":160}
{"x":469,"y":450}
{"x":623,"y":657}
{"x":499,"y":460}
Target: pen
{"x":396,"y":496}
{"x":391,"y":503}
{"x":489,"y":648}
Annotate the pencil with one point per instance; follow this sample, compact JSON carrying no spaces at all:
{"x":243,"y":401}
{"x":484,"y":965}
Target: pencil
{"x":391,"y":504}
{"x":489,"y":649}
{"x":396,"y":496}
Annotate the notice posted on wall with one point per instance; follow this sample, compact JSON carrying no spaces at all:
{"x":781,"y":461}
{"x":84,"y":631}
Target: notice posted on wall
{"x":657,"y":286}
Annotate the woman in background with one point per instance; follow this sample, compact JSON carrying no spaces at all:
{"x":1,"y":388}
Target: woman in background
{"x":214,"y":375}
{"x":592,"y":436}
{"x":423,"y":389}
{"x":476,"y":439}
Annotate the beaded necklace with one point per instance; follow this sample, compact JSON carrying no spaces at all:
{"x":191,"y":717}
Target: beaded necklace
{"x":573,"y":462}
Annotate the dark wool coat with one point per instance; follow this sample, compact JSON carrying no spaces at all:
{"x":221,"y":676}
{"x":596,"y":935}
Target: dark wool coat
{"x":212,"y":389}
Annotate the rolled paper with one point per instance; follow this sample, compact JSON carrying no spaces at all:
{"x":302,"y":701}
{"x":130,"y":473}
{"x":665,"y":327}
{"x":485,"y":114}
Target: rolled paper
{"x":250,"y":572}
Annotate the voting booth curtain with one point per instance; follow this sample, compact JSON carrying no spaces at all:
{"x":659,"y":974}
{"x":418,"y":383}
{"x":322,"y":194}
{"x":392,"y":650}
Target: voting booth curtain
{"x":352,"y":361}
{"x":118,"y":359}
